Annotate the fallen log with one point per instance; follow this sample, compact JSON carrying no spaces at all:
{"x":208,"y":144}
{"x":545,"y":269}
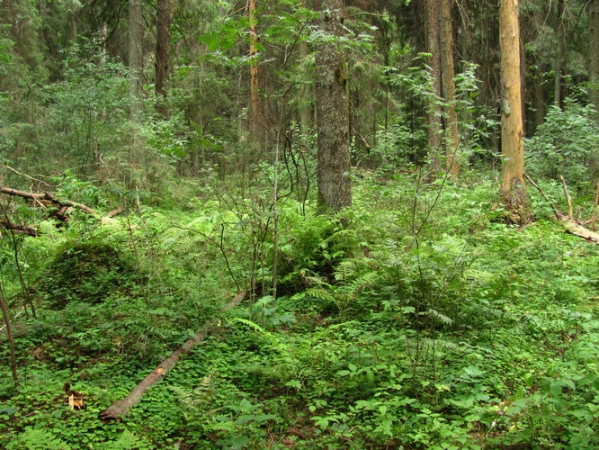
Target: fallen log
{"x":568,"y":221}
{"x":47,"y":196}
{"x":124,"y":406}
{"x":580,"y":231}
{"x":18,"y":229}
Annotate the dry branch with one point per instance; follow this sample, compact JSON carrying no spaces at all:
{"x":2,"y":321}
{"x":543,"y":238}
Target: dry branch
{"x":568,"y":221}
{"x":47,"y":196}
{"x":18,"y":229}
{"x":123,"y":407}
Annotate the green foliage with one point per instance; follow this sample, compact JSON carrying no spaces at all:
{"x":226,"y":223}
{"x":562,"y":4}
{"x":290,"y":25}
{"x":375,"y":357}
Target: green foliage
{"x":385,"y":331}
{"x":35,"y":439}
{"x":85,"y":272}
{"x":566,"y":145}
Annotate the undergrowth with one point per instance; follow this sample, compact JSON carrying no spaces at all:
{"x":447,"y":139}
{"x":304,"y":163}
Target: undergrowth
{"x":416,"y":320}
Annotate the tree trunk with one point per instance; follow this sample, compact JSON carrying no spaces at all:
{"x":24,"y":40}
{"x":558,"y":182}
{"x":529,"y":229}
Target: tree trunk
{"x":594,"y":54}
{"x":434,"y":109}
{"x":452,"y":136}
{"x":11,"y":341}
{"x":254,"y":115}
{"x":559,"y":54}
{"x":513,"y":189}
{"x":539,"y":98}
{"x":306,"y":95}
{"x":163,"y":39}
{"x":332,"y":115}
{"x":136,"y":35}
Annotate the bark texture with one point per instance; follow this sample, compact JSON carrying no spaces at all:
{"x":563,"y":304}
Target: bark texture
{"x":452,"y":136}
{"x":163,"y":39}
{"x":594,"y":53}
{"x":254,"y":80}
{"x":513,"y":188}
{"x":136,"y":34}
{"x":332,"y":115}
{"x":432,"y":16}
{"x":559,"y":54}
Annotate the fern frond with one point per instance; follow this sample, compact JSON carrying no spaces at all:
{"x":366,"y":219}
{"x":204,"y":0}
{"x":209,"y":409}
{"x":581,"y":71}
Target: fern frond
{"x":320,"y":294}
{"x":250,"y":324}
{"x":440,"y":317}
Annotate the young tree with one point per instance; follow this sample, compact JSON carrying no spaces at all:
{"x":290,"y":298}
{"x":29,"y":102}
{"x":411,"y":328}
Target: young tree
{"x":513,"y":189}
{"x":332,"y":113}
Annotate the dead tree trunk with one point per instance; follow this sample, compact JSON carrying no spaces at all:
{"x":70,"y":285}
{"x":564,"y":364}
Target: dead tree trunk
{"x":124,"y":406}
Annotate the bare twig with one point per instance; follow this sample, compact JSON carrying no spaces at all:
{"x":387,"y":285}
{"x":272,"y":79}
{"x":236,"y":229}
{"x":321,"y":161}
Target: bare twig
{"x":570,"y":210}
{"x":25,"y":175}
{"x":556,"y":212}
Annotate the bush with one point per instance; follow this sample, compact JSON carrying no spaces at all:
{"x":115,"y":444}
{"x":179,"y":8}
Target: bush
{"x":566,"y":144}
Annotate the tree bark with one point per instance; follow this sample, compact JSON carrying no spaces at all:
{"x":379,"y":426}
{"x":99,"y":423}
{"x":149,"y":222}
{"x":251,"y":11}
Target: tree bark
{"x":254,"y":79}
{"x":332,"y":115}
{"x":11,"y":341}
{"x":559,"y":54}
{"x":136,"y":35}
{"x":163,"y":39}
{"x":594,"y":54}
{"x":432,"y":15}
{"x":452,"y":136}
{"x":124,"y":406}
{"x":513,"y":188}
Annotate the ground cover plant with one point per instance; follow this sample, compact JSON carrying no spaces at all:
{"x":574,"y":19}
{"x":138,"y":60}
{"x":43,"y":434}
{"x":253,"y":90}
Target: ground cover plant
{"x":425,"y":322}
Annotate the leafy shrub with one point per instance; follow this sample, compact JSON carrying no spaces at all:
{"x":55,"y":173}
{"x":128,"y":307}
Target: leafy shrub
{"x":566,"y":144}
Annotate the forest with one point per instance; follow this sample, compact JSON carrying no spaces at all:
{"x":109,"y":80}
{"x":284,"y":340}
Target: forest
{"x":299,"y":224}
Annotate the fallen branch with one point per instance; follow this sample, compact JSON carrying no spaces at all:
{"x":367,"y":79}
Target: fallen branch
{"x":568,"y":221}
{"x":580,"y":231}
{"x":124,"y":406}
{"x":47,"y":196}
{"x":37,"y":180}
{"x":18,"y":229}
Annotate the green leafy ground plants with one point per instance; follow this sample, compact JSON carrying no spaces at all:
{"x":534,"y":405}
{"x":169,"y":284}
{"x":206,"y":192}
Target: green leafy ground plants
{"x":422,"y":323}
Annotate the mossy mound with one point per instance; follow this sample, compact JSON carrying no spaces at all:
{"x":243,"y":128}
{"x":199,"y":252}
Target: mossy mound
{"x":86,"y":272}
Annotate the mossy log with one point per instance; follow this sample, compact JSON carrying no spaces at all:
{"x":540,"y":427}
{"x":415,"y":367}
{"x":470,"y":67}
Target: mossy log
{"x":124,"y":406}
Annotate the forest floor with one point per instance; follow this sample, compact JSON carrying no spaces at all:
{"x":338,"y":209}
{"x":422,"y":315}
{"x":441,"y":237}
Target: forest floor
{"x":416,"y":320}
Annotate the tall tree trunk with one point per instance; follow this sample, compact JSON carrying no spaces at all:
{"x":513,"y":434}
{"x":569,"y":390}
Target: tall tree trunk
{"x":513,"y":189}
{"x":163,"y":39}
{"x":594,"y":54}
{"x":136,"y":35}
{"x":434,"y":109}
{"x":254,"y":115}
{"x":559,"y":54}
{"x":452,"y":136}
{"x":332,"y":115}
{"x":306,"y":95}
{"x":539,"y":98}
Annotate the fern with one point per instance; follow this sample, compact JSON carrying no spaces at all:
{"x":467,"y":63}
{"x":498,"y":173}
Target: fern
{"x":36,"y":439}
